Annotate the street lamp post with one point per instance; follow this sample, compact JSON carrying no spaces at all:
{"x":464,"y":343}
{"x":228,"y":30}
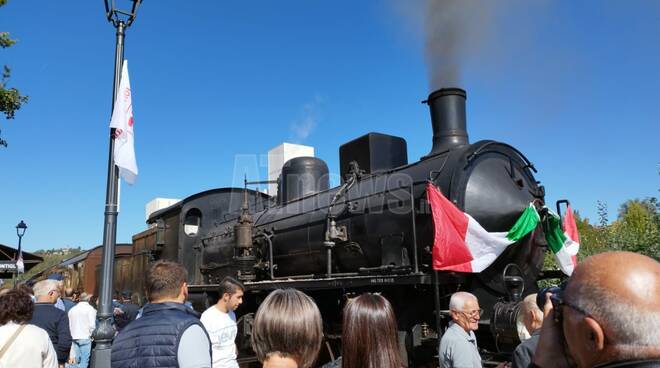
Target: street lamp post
{"x":20,"y":231}
{"x":121,"y":20}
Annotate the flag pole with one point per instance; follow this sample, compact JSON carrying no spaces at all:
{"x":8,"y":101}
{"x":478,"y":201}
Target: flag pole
{"x":104,"y":331}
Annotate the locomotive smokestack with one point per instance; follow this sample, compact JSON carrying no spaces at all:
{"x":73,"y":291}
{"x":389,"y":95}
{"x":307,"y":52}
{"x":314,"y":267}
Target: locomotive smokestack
{"x":447,"y":107}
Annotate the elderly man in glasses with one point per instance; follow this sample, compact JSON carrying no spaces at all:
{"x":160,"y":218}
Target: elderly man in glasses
{"x":608,"y":315}
{"x":51,"y":319}
{"x":458,"y":346}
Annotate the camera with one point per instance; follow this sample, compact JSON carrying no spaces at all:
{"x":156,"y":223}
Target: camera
{"x":540,"y":297}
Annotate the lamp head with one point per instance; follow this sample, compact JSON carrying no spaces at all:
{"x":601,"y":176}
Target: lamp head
{"x":20,"y":228}
{"x":116,"y":15}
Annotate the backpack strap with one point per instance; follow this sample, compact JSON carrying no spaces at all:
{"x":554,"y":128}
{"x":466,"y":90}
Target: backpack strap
{"x":11,"y":341}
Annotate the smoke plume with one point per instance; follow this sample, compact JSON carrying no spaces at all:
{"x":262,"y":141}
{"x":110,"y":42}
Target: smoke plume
{"x":455,"y":32}
{"x":309,"y":118}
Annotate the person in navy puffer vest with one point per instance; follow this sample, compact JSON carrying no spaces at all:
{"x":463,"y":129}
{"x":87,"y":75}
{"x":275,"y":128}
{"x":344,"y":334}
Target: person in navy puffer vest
{"x":168,"y":334}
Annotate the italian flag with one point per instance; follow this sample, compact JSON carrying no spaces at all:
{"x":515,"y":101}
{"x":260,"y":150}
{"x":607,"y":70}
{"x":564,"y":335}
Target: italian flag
{"x":461,"y":244}
{"x":563,"y":241}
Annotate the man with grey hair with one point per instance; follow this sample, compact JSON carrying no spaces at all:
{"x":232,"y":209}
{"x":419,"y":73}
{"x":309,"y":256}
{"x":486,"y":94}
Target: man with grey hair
{"x":82,"y":320}
{"x":532,"y":318}
{"x":51,"y":319}
{"x":607,"y":315}
{"x":458,"y":346}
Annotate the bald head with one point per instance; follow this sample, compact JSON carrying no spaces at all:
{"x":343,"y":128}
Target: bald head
{"x":532,"y":315}
{"x":630,"y":276}
{"x":621,"y":292}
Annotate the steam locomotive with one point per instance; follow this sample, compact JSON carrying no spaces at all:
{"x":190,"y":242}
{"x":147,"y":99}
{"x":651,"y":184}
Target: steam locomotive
{"x":373,"y":232}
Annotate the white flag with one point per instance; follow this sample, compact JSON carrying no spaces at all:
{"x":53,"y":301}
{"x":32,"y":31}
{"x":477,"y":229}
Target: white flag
{"x":20,"y":266}
{"x":122,"y":121}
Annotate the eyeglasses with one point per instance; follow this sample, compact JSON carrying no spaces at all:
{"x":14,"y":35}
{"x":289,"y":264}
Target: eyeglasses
{"x":558,"y":302}
{"x":472,"y":313}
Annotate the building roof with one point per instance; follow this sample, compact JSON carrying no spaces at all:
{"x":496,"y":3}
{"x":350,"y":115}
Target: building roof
{"x":8,"y":253}
{"x":121,"y":249}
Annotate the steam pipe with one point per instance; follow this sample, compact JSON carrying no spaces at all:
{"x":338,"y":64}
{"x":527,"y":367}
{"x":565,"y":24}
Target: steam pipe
{"x":414,"y":227}
{"x":270,"y":254}
{"x":436,"y":301}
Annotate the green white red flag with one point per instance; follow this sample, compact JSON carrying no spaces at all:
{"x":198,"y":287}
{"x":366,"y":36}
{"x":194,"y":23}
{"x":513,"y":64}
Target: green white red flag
{"x":461,"y":244}
{"x":563,"y":240}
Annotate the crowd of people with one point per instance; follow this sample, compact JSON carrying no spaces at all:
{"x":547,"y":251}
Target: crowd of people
{"x":66,"y":317}
{"x":607,"y":314}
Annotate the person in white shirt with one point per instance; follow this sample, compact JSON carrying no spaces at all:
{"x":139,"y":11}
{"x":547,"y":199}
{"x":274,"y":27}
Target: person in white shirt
{"x":82,"y":321}
{"x":220,"y":323}
{"x":21,"y":344}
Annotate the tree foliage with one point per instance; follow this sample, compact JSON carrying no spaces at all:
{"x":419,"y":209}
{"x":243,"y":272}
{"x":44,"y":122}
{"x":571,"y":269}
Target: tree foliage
{"x":636,"y":229}
{"x":10,"y":98}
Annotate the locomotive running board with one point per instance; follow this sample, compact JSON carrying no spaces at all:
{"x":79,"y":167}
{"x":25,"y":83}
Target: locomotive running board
{"x":337,"y":282}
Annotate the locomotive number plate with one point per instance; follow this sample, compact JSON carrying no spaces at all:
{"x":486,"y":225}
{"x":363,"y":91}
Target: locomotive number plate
{"x":383,"y":280}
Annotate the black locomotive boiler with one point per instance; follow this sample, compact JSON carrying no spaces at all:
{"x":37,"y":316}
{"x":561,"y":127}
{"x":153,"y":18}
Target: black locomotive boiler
{"x":374,"y":232}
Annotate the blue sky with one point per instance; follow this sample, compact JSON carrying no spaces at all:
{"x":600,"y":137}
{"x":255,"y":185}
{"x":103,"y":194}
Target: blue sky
{"x":573,"y":85}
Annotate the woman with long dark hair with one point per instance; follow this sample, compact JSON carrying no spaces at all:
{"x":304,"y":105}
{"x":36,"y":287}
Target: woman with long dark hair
{"x":21,"y":344}
{"x":369,"y":334}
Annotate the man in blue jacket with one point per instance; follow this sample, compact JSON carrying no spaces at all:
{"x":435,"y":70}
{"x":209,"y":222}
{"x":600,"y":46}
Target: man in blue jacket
{"x":168,"y":334}
{"x":51,"y":319}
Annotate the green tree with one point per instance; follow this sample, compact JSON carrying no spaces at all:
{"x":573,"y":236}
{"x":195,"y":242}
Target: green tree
{"x":637,"y":228}
{"x":10,"y":98}
{"x":601,"y":207}
{"x":593,"y":239}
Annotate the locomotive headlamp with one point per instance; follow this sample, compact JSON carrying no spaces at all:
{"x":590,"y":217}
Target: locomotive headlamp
{"x":514,"y":282}
{"x":505,"y":319}
{"x":116,"y":15}
{"x":20,"y":229}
